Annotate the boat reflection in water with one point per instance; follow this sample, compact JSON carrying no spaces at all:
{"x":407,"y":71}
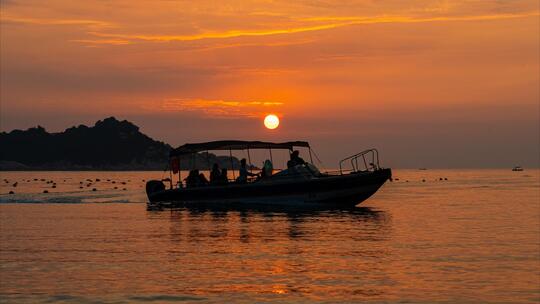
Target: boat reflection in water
{"x":372,"y":224}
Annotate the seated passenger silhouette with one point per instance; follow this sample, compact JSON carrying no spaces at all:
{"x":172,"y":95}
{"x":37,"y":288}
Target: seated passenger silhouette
{"x":223,"y":179}
{"x":244,"y":173}
{"x":202,"y":180}
{"x":193,"y":178}
{"x":268,"y":169}
{"x":295,"y":159}
{"x":215,"y":174}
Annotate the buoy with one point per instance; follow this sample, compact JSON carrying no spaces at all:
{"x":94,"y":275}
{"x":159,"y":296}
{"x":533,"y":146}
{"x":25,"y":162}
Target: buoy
{"x":97,"y":180}
{"x":445,"y":178}
{"x":15,"y":184}
{"x":124,"y":189}
{"x":423,"y":181}
{"x":54,"y":186}
{"x":113,"y":182}
{"x":45,"y":191}
{"x":115,"y":187}
{"x":94,"y":189}
{"x":11,"y":192}
{"x":123,"y":183}
{"x":80,"y":187}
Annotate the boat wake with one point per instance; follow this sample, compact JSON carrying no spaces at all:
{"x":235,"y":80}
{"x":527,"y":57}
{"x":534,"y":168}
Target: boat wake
{"x":72,"y":198}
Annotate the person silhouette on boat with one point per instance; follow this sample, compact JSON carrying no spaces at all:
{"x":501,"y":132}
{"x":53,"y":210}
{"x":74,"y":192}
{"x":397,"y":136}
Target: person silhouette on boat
{"x":215,"y":174}
{"x":193,"y":178}
{"x":295,"y":159}
{"x":202,"y":180}
{"x":244,"y":173}
{"x":268,"y":169}
{"x":223,"y":178}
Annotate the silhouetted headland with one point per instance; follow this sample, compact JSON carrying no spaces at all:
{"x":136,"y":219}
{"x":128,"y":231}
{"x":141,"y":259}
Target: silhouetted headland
{"x":108,"y":145}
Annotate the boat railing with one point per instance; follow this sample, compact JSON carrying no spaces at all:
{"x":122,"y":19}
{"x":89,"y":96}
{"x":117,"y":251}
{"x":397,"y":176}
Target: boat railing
{"x":367,"y":160}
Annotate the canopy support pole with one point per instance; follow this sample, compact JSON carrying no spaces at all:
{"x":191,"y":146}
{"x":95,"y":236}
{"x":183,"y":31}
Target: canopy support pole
{"x":170,"y":173}
{"x":249,"y":159}
{"x":208,"y":160}
{"x":310,"y":158}
{"x":271,"y":159}
{"x":232,"y":164}
{"x":179,"y":172}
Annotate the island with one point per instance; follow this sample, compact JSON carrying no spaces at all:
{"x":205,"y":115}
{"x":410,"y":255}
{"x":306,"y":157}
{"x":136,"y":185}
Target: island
{"x":109,"y":145}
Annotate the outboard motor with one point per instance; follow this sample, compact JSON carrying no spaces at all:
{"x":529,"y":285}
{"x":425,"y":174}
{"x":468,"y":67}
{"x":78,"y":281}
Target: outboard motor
{"x":154,"y":186}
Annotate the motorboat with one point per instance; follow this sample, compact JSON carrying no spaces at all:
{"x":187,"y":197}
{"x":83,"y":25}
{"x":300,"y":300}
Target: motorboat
{"x":517,"y":168}
{"x":359,"y":177}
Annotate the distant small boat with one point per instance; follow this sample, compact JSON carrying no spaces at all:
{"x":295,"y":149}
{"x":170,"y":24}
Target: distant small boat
{"x":422,"y":169}
{"x":517,"y":168}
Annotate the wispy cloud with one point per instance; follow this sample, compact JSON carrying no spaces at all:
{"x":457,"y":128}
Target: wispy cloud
{"x":56,"y":21}
{"x":327,"y":22}
{"x":219,"y":108}
{"x":98,"y":42}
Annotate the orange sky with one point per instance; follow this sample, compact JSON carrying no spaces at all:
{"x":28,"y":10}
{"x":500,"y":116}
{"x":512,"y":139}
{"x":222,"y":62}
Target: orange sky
{"x":424,"y":81}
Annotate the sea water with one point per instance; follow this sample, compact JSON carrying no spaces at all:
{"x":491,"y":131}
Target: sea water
{"x":448,"y":236}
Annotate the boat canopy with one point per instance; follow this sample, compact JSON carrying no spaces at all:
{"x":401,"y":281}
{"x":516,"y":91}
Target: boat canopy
{"x":234,"y":145}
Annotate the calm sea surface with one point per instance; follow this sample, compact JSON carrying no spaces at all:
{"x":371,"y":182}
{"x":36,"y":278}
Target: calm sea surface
{"x":474,"y":238}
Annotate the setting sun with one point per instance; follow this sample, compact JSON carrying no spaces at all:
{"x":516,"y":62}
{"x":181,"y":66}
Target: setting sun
{"x":271,"y":121}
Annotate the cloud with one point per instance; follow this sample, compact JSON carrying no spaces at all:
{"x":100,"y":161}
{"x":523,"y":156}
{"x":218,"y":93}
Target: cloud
{"x":97,"y":42}
{"x":219,"y":108}
{"x":56,"y":21}
{"x":328,"y":22}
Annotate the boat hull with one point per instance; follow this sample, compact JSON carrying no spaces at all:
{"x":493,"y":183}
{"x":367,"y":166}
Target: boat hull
{"x":341,"y":190}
